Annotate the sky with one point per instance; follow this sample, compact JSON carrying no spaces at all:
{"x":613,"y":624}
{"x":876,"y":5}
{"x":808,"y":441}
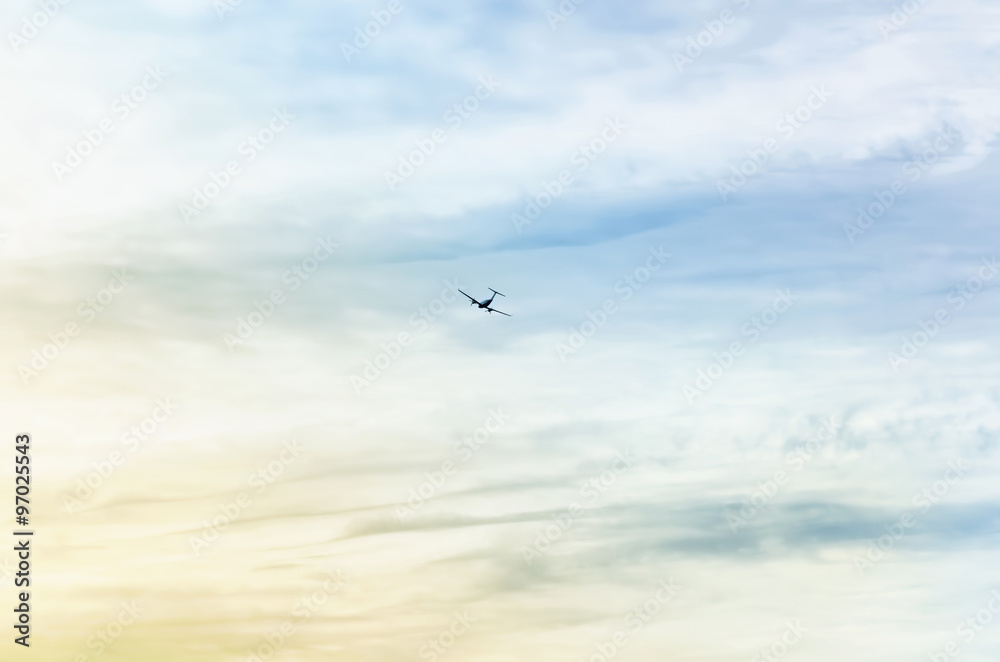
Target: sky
{"x":745,"y":406}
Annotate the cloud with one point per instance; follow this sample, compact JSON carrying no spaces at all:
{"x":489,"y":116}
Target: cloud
{"x":655,"y":187}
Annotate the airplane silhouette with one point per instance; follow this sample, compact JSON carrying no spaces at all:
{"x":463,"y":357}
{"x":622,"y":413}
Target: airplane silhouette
{"x":485,"y":304}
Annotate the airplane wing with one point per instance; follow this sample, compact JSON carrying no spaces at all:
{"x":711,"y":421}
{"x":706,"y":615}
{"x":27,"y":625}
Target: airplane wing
{"x":494,"y":310}
{"x":469,"y":298}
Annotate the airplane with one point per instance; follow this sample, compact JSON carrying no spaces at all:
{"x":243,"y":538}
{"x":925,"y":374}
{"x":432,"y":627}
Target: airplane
{"x":485,"y":304}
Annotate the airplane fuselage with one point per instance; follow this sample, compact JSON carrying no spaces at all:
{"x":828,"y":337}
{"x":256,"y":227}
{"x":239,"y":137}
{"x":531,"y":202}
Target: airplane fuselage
{"x":485,"y":304}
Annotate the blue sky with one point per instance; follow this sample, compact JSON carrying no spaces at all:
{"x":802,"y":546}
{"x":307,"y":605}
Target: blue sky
{"x":841,"y":112}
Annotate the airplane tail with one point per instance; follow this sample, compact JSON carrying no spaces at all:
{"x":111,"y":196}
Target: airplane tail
{"x":495,"y":292}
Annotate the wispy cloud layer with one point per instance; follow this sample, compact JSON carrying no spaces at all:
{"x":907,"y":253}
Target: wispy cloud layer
{"x":719,"y":228}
